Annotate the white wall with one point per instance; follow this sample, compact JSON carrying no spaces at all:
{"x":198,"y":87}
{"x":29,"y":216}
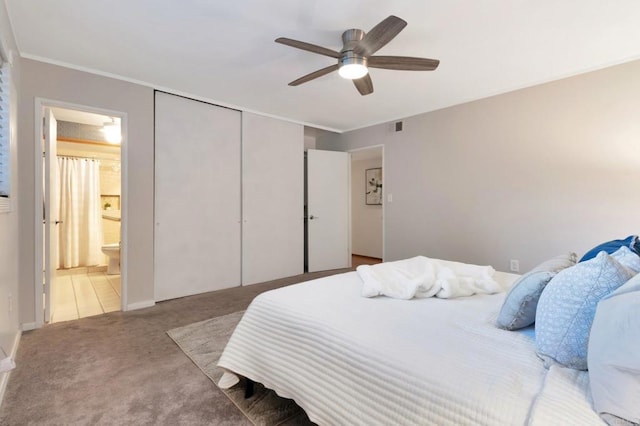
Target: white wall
{"x":9,"y":321}
{"x":62,"y":84}
{"x":311,"y":134}
{"x":309,"y":142}
{"x":366,"y":220}
{"x":524,"y":175}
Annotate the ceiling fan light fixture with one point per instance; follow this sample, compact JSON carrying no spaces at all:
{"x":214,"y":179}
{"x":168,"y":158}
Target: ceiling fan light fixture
{"x":353,"y":67}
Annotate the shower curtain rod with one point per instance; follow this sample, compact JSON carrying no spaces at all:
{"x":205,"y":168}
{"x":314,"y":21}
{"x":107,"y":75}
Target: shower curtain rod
{"x":89,"y":158}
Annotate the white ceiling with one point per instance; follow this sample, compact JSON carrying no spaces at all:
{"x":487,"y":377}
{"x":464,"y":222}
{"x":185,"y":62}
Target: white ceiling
{"x":223,"y":51}
{"x":82,"y":117}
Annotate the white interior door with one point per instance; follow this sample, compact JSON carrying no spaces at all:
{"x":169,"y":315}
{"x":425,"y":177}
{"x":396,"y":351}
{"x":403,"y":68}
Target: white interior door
{"x":51,"y":211}
{"x":197,"y":197}
{"x":272,"y":198}
{"x":328,"y":209}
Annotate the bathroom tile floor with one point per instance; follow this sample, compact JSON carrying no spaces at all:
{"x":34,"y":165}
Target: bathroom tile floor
{"x":83,"y":292}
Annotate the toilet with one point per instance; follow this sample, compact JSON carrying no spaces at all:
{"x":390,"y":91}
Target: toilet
{"x":113,"y":252}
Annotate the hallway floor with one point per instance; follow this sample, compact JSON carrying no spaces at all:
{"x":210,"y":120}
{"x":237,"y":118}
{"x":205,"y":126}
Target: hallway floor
{"x":83,"y":292}
{"x":357,"y":260}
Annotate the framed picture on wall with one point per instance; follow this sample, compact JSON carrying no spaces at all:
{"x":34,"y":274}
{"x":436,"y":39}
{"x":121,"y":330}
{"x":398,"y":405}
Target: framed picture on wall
{"x":373,"y":186}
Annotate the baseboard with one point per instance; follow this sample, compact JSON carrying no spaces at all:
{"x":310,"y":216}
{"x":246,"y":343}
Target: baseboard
{"x":4,"y":377}
{"x":141,"y":305}
{"x":28,"y":326}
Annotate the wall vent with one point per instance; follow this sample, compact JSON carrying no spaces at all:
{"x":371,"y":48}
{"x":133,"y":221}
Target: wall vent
{"x":398,"y":126}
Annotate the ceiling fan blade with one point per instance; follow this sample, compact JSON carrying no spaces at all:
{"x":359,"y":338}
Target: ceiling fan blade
{"x":380,"y":35}
{"x":308,"y":47}
{"x":314,"y":75}
{"x":406,"y":63}
{"x":364,"y":85}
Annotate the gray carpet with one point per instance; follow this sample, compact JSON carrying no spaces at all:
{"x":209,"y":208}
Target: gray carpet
{"x":122,"y":368}
{"x":204,"y":342}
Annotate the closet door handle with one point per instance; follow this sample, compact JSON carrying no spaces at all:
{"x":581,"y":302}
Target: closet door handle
{"x":58,"y":222}
{"x":313,"y":217}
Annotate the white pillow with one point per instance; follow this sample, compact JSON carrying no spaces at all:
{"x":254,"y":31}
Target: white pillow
{"x":614,"y":356}
{"x":558,"y":263}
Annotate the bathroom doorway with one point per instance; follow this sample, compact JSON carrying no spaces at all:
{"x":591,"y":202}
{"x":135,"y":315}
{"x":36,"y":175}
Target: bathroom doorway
{"x":82,"y":202}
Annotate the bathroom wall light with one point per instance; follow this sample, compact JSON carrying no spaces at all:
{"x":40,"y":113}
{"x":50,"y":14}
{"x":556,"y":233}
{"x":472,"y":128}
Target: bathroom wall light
{"x":112,"y":132}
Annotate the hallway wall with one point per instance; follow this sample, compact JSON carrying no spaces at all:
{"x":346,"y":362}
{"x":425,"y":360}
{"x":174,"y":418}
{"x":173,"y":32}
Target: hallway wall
{"x":366,"y":220}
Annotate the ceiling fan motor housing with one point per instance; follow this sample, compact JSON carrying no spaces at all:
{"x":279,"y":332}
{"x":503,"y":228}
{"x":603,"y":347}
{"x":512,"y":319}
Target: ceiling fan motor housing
{"x":350,"y":58}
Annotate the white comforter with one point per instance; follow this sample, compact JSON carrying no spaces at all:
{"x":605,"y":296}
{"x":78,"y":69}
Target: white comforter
{"x":351,"y":360}
{"x":421,"y":276}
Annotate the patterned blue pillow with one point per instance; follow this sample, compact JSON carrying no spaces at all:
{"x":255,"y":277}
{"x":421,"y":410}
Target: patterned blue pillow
{"x":629,"y":287}
{"x":567,"y":307}
{"x":628,"y":258}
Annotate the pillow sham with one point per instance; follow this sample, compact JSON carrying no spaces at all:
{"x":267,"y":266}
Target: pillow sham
{"x":611,"y":246}
{"x":567,"y":307}
{"x":519,"y":306}
{"x":628,"y":258}
{"x":613,"y":361}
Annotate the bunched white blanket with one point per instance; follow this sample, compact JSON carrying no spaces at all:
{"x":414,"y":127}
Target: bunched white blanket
{"x":421,"y":276}
{"x":350,"y":360}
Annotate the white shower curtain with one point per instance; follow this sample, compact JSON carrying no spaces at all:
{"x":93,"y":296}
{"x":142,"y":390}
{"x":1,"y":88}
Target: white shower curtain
{"x":80,"y":233}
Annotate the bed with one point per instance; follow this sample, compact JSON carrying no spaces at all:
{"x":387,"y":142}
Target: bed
{"x":347,"y":359}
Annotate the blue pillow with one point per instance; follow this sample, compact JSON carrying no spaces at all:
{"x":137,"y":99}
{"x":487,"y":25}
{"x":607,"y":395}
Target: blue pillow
{"x":519,"y":306}
{"x":567,"y":307}
{"x":611,"y":246}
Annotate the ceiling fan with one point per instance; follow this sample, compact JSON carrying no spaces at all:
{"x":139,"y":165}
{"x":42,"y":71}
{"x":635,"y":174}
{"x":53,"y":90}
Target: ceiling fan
{"x":357,"y":55}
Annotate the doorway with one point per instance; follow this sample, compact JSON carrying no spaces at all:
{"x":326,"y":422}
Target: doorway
{"x":83,"y":198}
{"x":367,"y":205}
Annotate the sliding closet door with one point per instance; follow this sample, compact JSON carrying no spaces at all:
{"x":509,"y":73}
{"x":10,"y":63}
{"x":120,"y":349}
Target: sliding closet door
{"x":272,"y":198}
{"x":197,"y":197}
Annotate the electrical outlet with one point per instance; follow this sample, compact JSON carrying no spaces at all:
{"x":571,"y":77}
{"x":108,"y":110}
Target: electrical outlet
{"x":514,"y":265}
